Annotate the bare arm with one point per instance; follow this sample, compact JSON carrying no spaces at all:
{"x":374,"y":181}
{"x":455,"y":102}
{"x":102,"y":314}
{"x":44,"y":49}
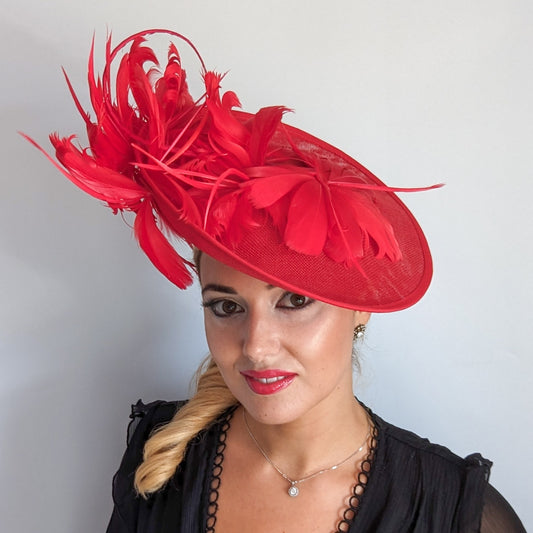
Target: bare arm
{"x":498,"y":516}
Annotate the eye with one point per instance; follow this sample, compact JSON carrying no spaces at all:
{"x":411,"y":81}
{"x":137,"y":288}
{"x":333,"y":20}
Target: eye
{"x":223,"y":308}
{"x":291,"y":300}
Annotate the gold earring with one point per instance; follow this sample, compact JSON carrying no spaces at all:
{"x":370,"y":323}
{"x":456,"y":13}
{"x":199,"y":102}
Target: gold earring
{"x":359,"y":331}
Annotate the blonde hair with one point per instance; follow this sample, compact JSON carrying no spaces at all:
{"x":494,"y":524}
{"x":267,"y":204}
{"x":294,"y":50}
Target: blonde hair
{"x":165,"y":449}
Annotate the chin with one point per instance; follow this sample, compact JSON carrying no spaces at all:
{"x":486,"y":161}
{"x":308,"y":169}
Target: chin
{"x":274,"y":411}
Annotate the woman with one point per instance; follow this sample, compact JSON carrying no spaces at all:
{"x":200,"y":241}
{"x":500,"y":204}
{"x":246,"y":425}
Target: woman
{"x":296,"y":244}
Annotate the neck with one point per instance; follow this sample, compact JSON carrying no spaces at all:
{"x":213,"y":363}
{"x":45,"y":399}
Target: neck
{"x":320,"y":439}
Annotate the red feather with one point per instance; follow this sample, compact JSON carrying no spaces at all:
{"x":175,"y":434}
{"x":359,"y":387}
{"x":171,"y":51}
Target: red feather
{"x":227,"y":135}
{"x":102,"y":183}
{"x":266,"y":191}
{"x":307,"y":219}
{"x":359,"y":223}
{"x":265,"y":124}
{"x":243,"y":218}
{"x":158,"y":249}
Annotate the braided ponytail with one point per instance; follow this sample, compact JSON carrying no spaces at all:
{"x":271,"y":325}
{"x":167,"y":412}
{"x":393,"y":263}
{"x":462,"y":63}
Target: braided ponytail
{"x":165,"y":449}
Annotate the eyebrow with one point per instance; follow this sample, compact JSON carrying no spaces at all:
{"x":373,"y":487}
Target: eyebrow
{"x":225,"y":289}
{"x":218,"y":288}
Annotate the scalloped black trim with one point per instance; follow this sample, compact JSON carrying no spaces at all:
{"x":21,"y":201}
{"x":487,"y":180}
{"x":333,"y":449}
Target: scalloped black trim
{"x":358,"y":492}
{"x":216,"y":472}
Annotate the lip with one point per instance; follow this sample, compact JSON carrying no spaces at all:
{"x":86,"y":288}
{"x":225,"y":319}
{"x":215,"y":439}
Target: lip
{"x":277,"y":380}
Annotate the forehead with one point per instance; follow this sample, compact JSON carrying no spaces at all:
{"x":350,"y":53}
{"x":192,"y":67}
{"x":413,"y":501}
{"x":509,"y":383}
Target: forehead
{"x":218,"y":277}
{"x":215,"y":272}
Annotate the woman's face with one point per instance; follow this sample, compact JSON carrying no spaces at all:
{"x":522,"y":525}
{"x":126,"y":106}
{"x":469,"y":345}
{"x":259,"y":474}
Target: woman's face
{"x":282,"y":355}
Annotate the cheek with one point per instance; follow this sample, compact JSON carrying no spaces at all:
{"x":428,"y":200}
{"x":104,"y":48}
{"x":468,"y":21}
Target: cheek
{"x":209,"y":333}
{"x":221,"y":341}
{"x":211,"y":337}
{"x":329,"y":341}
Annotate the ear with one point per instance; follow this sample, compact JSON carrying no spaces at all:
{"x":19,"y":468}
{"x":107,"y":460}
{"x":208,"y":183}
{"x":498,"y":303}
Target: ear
{"x":362,"y":317}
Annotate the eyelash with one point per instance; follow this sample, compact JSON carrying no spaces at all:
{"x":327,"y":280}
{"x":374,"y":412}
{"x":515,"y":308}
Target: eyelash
{"x":215,"y":304}
{"x":289,"y":295}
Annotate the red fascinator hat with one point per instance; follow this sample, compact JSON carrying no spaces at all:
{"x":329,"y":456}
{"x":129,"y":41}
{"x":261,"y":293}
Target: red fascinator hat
{"x":252,"y":192}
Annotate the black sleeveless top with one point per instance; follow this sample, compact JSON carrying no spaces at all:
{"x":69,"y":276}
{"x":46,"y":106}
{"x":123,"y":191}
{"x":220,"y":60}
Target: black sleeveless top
{"x":414,"y":486}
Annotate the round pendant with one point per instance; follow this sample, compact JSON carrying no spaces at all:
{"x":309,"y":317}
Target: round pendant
{"x":293,"y":491}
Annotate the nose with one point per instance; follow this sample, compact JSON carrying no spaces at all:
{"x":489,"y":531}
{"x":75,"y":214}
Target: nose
{"x":261,"y":337}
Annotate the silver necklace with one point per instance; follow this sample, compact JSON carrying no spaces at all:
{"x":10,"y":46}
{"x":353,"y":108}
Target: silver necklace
{"x":293,"y":489}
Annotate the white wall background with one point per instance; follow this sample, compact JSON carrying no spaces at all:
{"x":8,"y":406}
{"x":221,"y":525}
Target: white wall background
{"x":419,"y":91}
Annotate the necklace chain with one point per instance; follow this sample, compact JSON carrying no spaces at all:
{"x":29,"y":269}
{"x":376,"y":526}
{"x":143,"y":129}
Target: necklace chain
{"x":293,"y":489}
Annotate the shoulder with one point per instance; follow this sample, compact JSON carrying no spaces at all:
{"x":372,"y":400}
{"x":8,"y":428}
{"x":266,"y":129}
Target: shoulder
{"x":398,"y":441}
{"x":147,"y":417}
{"x":431,"y":480}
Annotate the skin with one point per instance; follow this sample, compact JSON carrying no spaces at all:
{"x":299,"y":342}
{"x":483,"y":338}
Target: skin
{"x":251,"y":325}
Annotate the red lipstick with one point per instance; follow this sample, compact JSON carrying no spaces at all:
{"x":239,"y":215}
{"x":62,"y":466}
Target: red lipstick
{"x":268,"y":381}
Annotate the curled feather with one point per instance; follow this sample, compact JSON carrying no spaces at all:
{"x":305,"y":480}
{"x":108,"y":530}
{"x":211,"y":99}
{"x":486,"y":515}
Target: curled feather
{"x":159,"y":250}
